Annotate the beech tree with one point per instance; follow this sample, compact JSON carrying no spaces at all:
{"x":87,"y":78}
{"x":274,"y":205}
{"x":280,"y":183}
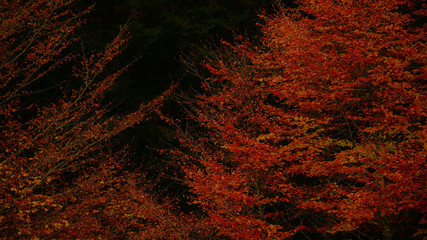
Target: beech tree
{"x":60,"y":178}
{"x":318,"y":129}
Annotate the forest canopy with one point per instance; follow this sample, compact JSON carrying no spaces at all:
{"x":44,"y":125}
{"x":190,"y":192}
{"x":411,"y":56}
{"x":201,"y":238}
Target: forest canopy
{"x":310,"y":127}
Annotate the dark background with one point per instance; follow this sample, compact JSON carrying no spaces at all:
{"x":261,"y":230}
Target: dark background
{"x":162,"y":32}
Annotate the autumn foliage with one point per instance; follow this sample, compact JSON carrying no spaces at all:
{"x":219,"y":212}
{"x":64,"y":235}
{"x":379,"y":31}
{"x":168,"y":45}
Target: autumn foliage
{"x":318,"y":130}
{"x":60,"y":178}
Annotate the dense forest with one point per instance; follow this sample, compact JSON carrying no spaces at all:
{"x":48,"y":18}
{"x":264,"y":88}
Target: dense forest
{"x":179,"y":119}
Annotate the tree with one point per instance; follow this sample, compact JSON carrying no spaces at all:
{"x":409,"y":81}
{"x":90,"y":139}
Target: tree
{"x":61,"y":176}
{"x":319,"y":129}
